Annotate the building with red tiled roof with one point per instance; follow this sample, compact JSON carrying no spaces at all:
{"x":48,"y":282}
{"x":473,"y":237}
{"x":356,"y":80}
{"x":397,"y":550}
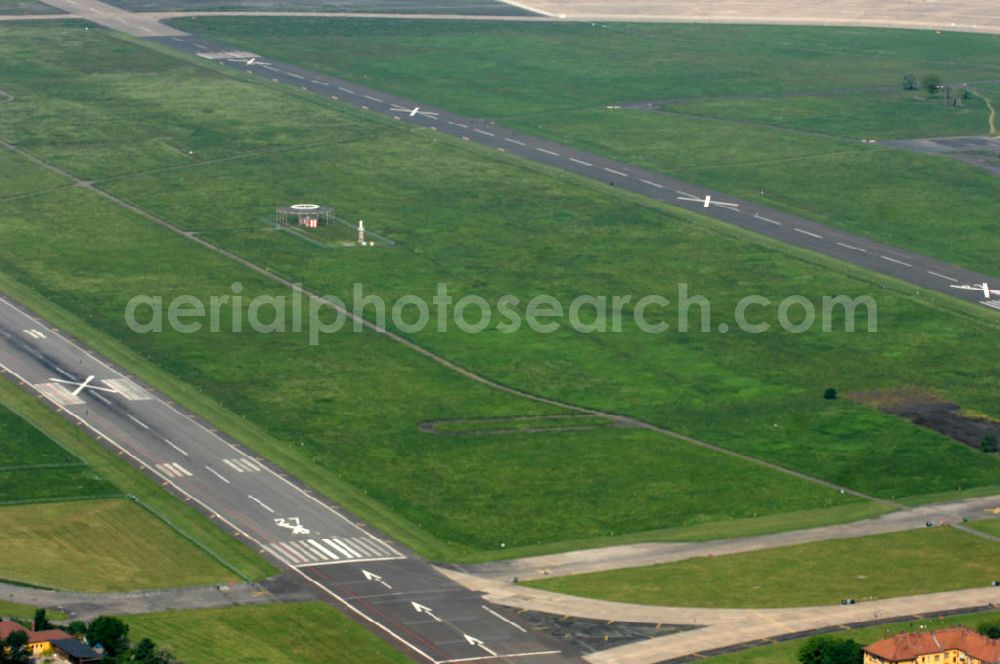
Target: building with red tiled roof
{"x":39,"y":643}
{"x":956,"y":645}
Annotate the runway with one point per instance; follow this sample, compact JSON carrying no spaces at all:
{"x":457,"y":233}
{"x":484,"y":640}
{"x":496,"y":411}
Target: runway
{"x":921,"y":271}
{"x":373,"y":579}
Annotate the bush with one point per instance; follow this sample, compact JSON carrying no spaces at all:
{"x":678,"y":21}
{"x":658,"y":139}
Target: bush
{"x":829,"y":650}
{"x":990,"y":628}
{"x":989,"y":444}
{"x":830,"y":393}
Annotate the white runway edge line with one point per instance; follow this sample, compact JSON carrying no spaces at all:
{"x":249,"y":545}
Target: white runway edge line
{"x":895,"y":260}
{"x":102,"y":436}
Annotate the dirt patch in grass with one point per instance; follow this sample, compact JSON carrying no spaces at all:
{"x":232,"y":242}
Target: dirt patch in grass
{"x":932,"y":411}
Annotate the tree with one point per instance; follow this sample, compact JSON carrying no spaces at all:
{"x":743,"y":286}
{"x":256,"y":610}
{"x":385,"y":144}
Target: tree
{"x":828,"y":650}
{"x":932,"y":83}
{"x":990,"y":628}
{"x":77,"y":628}
{"x":910,"y":82}
{"x":41,"y":621}
{"x":14,"y":649}
{"x":989,"y":444}
{"x":111,"y":633}
{"x":830,"y":393}
{"x":146,"y":652}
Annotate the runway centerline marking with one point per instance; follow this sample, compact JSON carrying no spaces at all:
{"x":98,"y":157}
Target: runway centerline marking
{"x":261,"y":503}
{"x":805,"y":232}
{"x":175,"y":447}
{"x":770,"y":221}
{"x":895,"y":260}
{"x":943,"y":276}
{"x":484,"y":132}
{"x":217,"y":474}
{"x":511,"y":140}
{"x":652,"y":184}
{"x":137,"y":421}
{"x":554,"y":154}
{"x":580,"y":161}
{"x":852,"y":247}
{"x":611,"y":170}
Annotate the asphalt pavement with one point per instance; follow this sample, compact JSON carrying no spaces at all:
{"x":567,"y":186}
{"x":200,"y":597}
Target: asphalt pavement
{"x":373,"y":579}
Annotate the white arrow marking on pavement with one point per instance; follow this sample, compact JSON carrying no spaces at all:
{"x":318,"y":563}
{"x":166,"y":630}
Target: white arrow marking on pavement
{"x":473,"y":641}
{"x":376,"y":578}
{"x":420,"y":608}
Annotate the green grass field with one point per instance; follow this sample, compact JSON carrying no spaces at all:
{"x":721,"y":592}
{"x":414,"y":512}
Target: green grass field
{"x":803,"y":575}
{"x":33,"y":467}
{"x":989,"y":526}
{"x":467,"y":7}
{"x":14,"y":611}
{"x":308,"y":632}
{"x":93,"y":546}
{"x":788,"y":652}
{"x":25,"y":7}
{"x":745,"y":95}
{"x":345,"y":414}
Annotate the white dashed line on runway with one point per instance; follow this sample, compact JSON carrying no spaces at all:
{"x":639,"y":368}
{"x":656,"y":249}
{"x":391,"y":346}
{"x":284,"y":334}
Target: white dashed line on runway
{"x":216,"y":473}
{"x":511,"y":140}
{"x":809,"y":233}
{"x":259,"y":502}
{"x":611,"y":170}
{"x":137,"y":421}
{"x":652,"y":184}
{"x":770,"y":221}
{"x":373,"y":98}
{"x":318,"y":82}
{"x":295,"y":75}
{"x":484,"y":132}
{"x":554,"y":154}
{"x":942,"y":276}
{"x":175,"y":447}
{"x":350,"y":92}
{"x":580,"y":161}
{"x":895,"y":260}
{"x":852,"y":247}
